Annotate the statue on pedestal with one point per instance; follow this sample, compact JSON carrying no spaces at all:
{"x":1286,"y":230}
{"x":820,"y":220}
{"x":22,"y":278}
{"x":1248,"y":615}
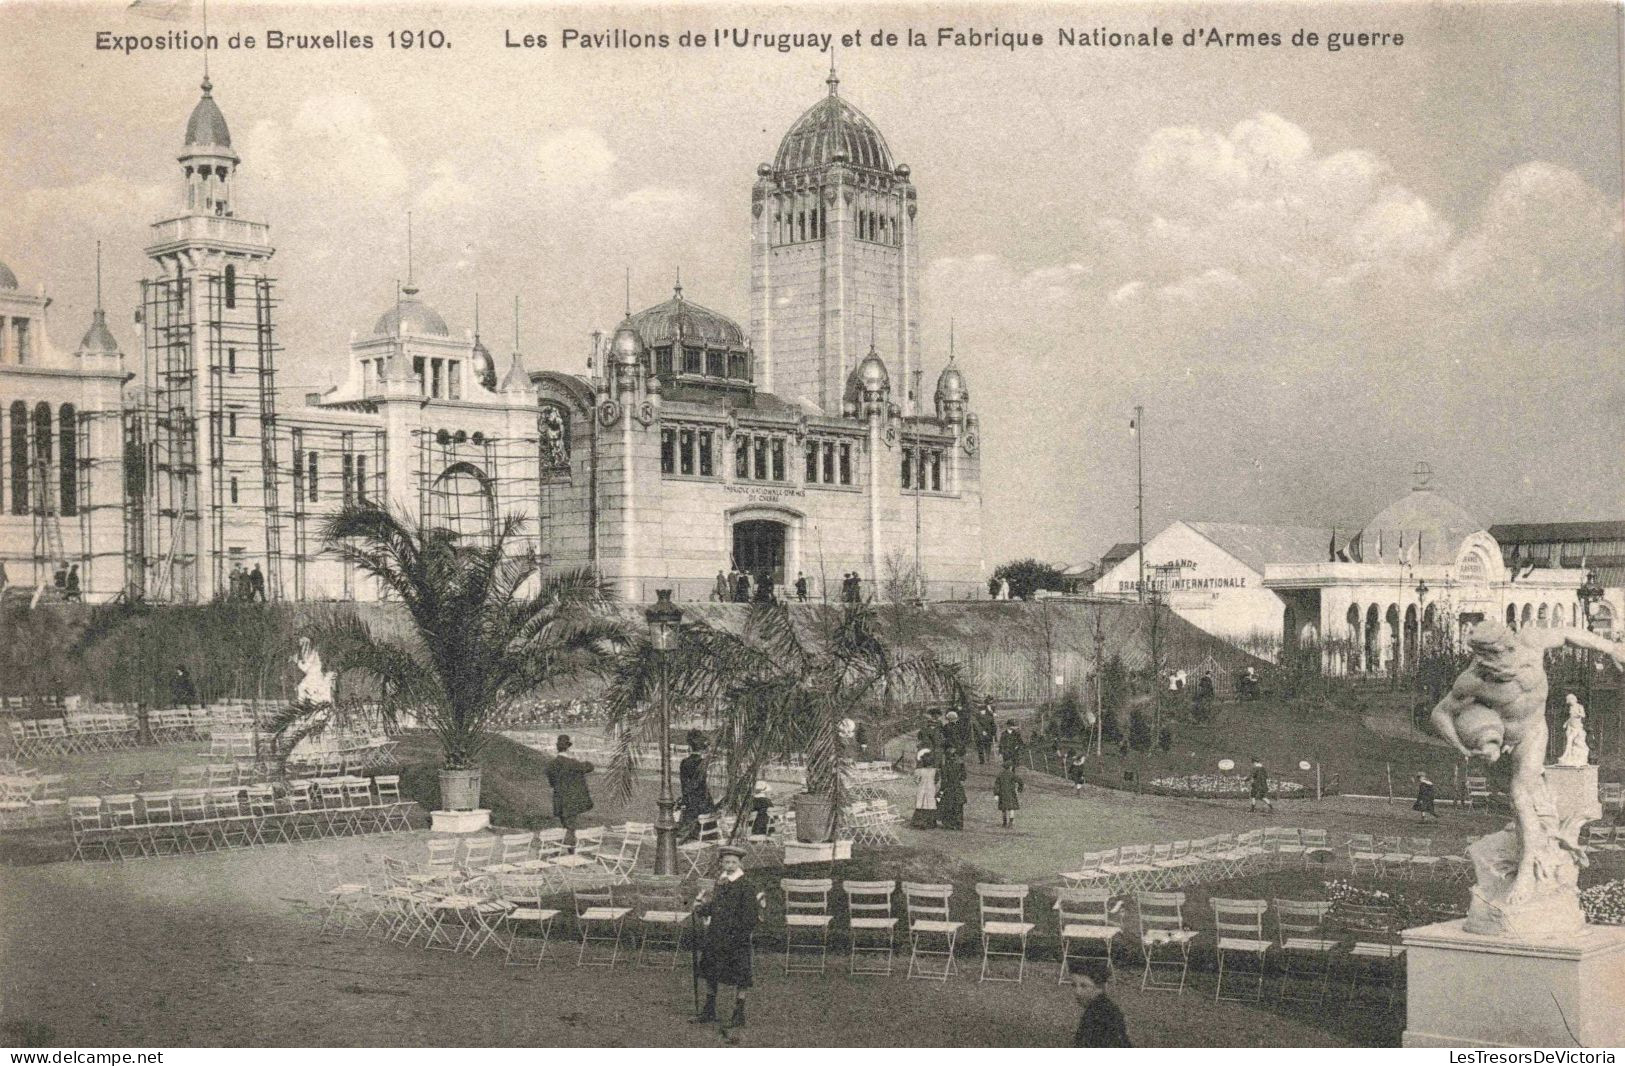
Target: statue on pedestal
{"x":1576,"y":752}
{"x":316,"y":687}
{"x":1528,"y":873}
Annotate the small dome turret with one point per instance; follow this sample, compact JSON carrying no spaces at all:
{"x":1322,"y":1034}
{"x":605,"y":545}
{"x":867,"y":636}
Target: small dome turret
{"x":951,"y":384}
{"x":869,"y":383}
{"x":207,"y":126}
{"x":411,"y":315}
{"x":484,"y":366}
{"x":98,"y":339}
{"x":626,"y":348}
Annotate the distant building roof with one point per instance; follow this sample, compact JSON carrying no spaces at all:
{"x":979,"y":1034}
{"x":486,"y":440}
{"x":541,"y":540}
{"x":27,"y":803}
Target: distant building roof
{"x":1258,"y":545}
{"x":1117,"y":553}
{"x":1556,"y":532}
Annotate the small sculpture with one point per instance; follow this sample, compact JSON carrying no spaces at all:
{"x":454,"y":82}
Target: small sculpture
{"x":1528,"y":873}
{"x":316,"y":687}
{"x":1576,"y":752}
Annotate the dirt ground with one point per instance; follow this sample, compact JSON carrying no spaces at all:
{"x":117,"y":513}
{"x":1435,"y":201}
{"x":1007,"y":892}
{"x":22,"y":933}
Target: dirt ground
{"x":209,"y":950}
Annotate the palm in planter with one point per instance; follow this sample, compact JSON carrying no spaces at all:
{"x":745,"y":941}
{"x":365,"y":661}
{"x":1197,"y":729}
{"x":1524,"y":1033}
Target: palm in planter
{"x":782,"y":686}
{"x":488,"y":628}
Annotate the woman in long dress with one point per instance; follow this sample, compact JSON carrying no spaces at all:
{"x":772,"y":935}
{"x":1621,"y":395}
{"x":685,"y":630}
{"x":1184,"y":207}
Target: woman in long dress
{"x":951,"y":793}
{"x":925,"y":790}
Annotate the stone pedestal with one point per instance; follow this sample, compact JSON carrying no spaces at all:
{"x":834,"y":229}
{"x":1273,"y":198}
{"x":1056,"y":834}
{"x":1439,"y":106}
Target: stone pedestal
{"x":1574,"y":791}
{"x":459,"y":821}
{"x":1464,"y":990}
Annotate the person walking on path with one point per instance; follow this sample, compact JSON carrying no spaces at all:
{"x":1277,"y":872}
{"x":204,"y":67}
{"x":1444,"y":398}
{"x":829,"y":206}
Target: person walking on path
{"x":801,"y":587}
{"x":568,"y":779}
{"x":1259,"y":788}
{"x":719,"y":594}
{"x":695,"y":791}
{"x":256,"y":584}
{"x":987,"y":731}
{"x":951,"y":792}
{"x":1101,"y":1024}
{"x":1012,"y":745}
{"x":729,"y":909}
{"x":925,"y":790}
{"x":1008,"y":787}
{"x":1424,"y":798}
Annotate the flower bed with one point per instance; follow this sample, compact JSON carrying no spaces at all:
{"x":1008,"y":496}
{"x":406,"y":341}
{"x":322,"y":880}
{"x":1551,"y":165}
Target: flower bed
{"x":1220,"y":786}
{"x":1604,"y":904}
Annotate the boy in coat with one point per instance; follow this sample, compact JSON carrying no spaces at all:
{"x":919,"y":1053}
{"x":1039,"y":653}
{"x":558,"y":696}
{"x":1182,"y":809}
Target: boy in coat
{"x":1101,"y":1024}
{"x":730,"y":910}
{"x":1425,"y":793}
{"x":1008,"y":787}
{"x":1259,"y":788}
{"x":567,"y":778}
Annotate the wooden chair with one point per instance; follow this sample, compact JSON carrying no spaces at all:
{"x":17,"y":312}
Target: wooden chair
{"x":932,"y":932}
{"x":1306,"y":952}
{"x":1003,"y":917}
{"x":1164,"y":939}
{"x":599,"y":920}
{"x":662,"y":913}
{"x":869,"y":912}
{"x":1239,"y":927}
{"x":1085,"y":918}
{"x":807,"y":919}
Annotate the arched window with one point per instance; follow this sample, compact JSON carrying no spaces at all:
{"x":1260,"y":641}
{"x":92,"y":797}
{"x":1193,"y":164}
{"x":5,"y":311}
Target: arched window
{"x":19,"y":458}
{"x":1527,"y":616}
{"x":69,"y":430}
{"x":1540,"y":617}
{"x":1512,"y":615}
{"x":42,"y":455}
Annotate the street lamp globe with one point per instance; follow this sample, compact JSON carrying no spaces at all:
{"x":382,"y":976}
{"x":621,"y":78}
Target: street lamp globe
{"x":664,"y":619}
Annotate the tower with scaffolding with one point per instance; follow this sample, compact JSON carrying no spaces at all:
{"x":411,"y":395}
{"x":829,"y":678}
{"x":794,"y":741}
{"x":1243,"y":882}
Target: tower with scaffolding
{"x":206,"y":421}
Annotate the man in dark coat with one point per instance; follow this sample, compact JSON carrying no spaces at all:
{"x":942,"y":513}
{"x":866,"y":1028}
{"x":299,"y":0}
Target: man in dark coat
{"x":256,"y":584}
{"x":1012,"y":745}
{"x":987,"y":731}
{"x":951,"y":791}
{"x":742,"y":588}
{"x":695,"y":791}
{"x":1258,"y":788}
{"x":182,"y":693}
{"x":730,"y":911}
{"x":801,"y":588}
{"x":1101,"y":1024}
{"x":568,"y":779}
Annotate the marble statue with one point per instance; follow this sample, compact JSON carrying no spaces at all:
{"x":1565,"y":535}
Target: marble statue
{"x":1528,"y":873}
{"x":1576,"y":752}
{"x":316,"y":687}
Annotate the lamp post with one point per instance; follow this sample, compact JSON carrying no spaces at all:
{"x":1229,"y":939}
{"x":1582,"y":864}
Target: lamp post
{"x":664,"y":619}
{"x":1422,"y":591}
{"x":1589,"y":593}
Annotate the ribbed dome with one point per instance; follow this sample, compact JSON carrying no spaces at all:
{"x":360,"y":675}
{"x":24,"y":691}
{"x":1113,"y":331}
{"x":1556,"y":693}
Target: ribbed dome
{"x":627,"y":346}
{"x":412,"y":316}
{"x":98,"y":340}
{"x":679,"y":321}
{"x":868,"y":376}
{"x":8,"y":280}
{"x":207,"y":126}
{"x":1442,"y":524}
{"x":833,"y":127}
{"x":951,"y":384}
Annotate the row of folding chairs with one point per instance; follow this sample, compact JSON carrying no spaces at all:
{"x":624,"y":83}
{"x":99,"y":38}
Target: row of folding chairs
{"x":872,"y":822}
{"x":1404,"y":858}
{"x":1308,"y":944}
{"x":191,"y":821}
{"x":1136,"y":867}
{"x":1604,"y":840}
{"x":1611,"y":794}
{"x":45,"y":737}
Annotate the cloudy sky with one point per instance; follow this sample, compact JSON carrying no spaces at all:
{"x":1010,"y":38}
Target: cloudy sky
{"x":1313,"y":269}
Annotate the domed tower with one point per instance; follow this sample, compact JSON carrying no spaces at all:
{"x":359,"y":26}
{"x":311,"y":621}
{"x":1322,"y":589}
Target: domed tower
{"x":207,"y":157}
{"x":834,"y":257}
{"x":952,"y":397}
{"x":868,"y":388}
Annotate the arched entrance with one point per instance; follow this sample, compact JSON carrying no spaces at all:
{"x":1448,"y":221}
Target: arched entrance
{"x":460,"y":500}
{"x":759,"y":544}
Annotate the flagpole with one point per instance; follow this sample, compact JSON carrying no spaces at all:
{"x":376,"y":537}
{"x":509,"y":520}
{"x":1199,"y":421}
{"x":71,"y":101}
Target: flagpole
{"x":1139,"y":491}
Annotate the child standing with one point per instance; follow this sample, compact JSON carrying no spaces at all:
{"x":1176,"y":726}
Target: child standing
{"x":1007,"y":787}
{"x":1424,"y":798}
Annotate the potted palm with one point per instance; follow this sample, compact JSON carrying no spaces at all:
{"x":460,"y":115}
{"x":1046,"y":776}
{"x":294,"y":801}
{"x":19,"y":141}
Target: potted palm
{"x":781,"y":687}
{"x":487,"y":627}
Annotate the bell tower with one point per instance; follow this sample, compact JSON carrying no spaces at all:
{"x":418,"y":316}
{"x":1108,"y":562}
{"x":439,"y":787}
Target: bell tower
{"x":834,"y":257}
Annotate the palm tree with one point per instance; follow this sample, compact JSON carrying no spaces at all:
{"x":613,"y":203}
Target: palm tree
{"x":488,"y":628}
{"x":782,"y":686}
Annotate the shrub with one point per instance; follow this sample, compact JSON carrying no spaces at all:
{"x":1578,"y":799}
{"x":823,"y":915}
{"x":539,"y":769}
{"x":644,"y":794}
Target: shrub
{"x":1139,"y":731}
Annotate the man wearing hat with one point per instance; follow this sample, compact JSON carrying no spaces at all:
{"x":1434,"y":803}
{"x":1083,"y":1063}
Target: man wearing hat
{"x":730,"y":910}
{"x":987,"y":731}
{"x":1012,"y":745}
{"x":761,"y":808}
{"x":568,"y":779}
{"x":695,"y":790}
{"x":955,"y":737}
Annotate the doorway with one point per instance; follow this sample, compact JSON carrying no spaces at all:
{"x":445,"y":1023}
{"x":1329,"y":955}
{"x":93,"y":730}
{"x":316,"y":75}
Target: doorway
{"x":759,"y":545}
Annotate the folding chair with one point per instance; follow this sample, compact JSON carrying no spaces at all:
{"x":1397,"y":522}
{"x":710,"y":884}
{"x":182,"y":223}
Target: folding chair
{"x":192,"y":777}
{"x":1374,"y":948}
{"x":932,"y":932}
{"x":127,"y":828}
{"x":1316,"y":847}
{"x":478,"y":853}
{"x":1164,"y":938}
{"x":1003,"y":916}
{"x":807,"y":920}
{"x":394,"y":812}
{"x":1306,"y":953}
{"x":599,"y":920}
{"x":1478,"y":790}
{"x":1161,"y":874}
{"x":234,"y":827}
{"x":1363,"y":853}
{"x":162,"y":822}
{"x":869,"y":912}
{"x":1085,"y":917}
{"x":198,"y":828}
{"x":332,"y":807}
{"x":358,"y":798}
{"x":524,"y":893}
{"x":624,"y":861}
{"x":270,"y":825}
{"x":697,"y":853}
{"x":305,"y":822}
{"x":89,"y":827}
{"x":1392,"y":858}
{"x":1238,"y":925}
{"x":1089,"y":871}
{"x":1423,"y":861}
{"x":662,"y":913}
